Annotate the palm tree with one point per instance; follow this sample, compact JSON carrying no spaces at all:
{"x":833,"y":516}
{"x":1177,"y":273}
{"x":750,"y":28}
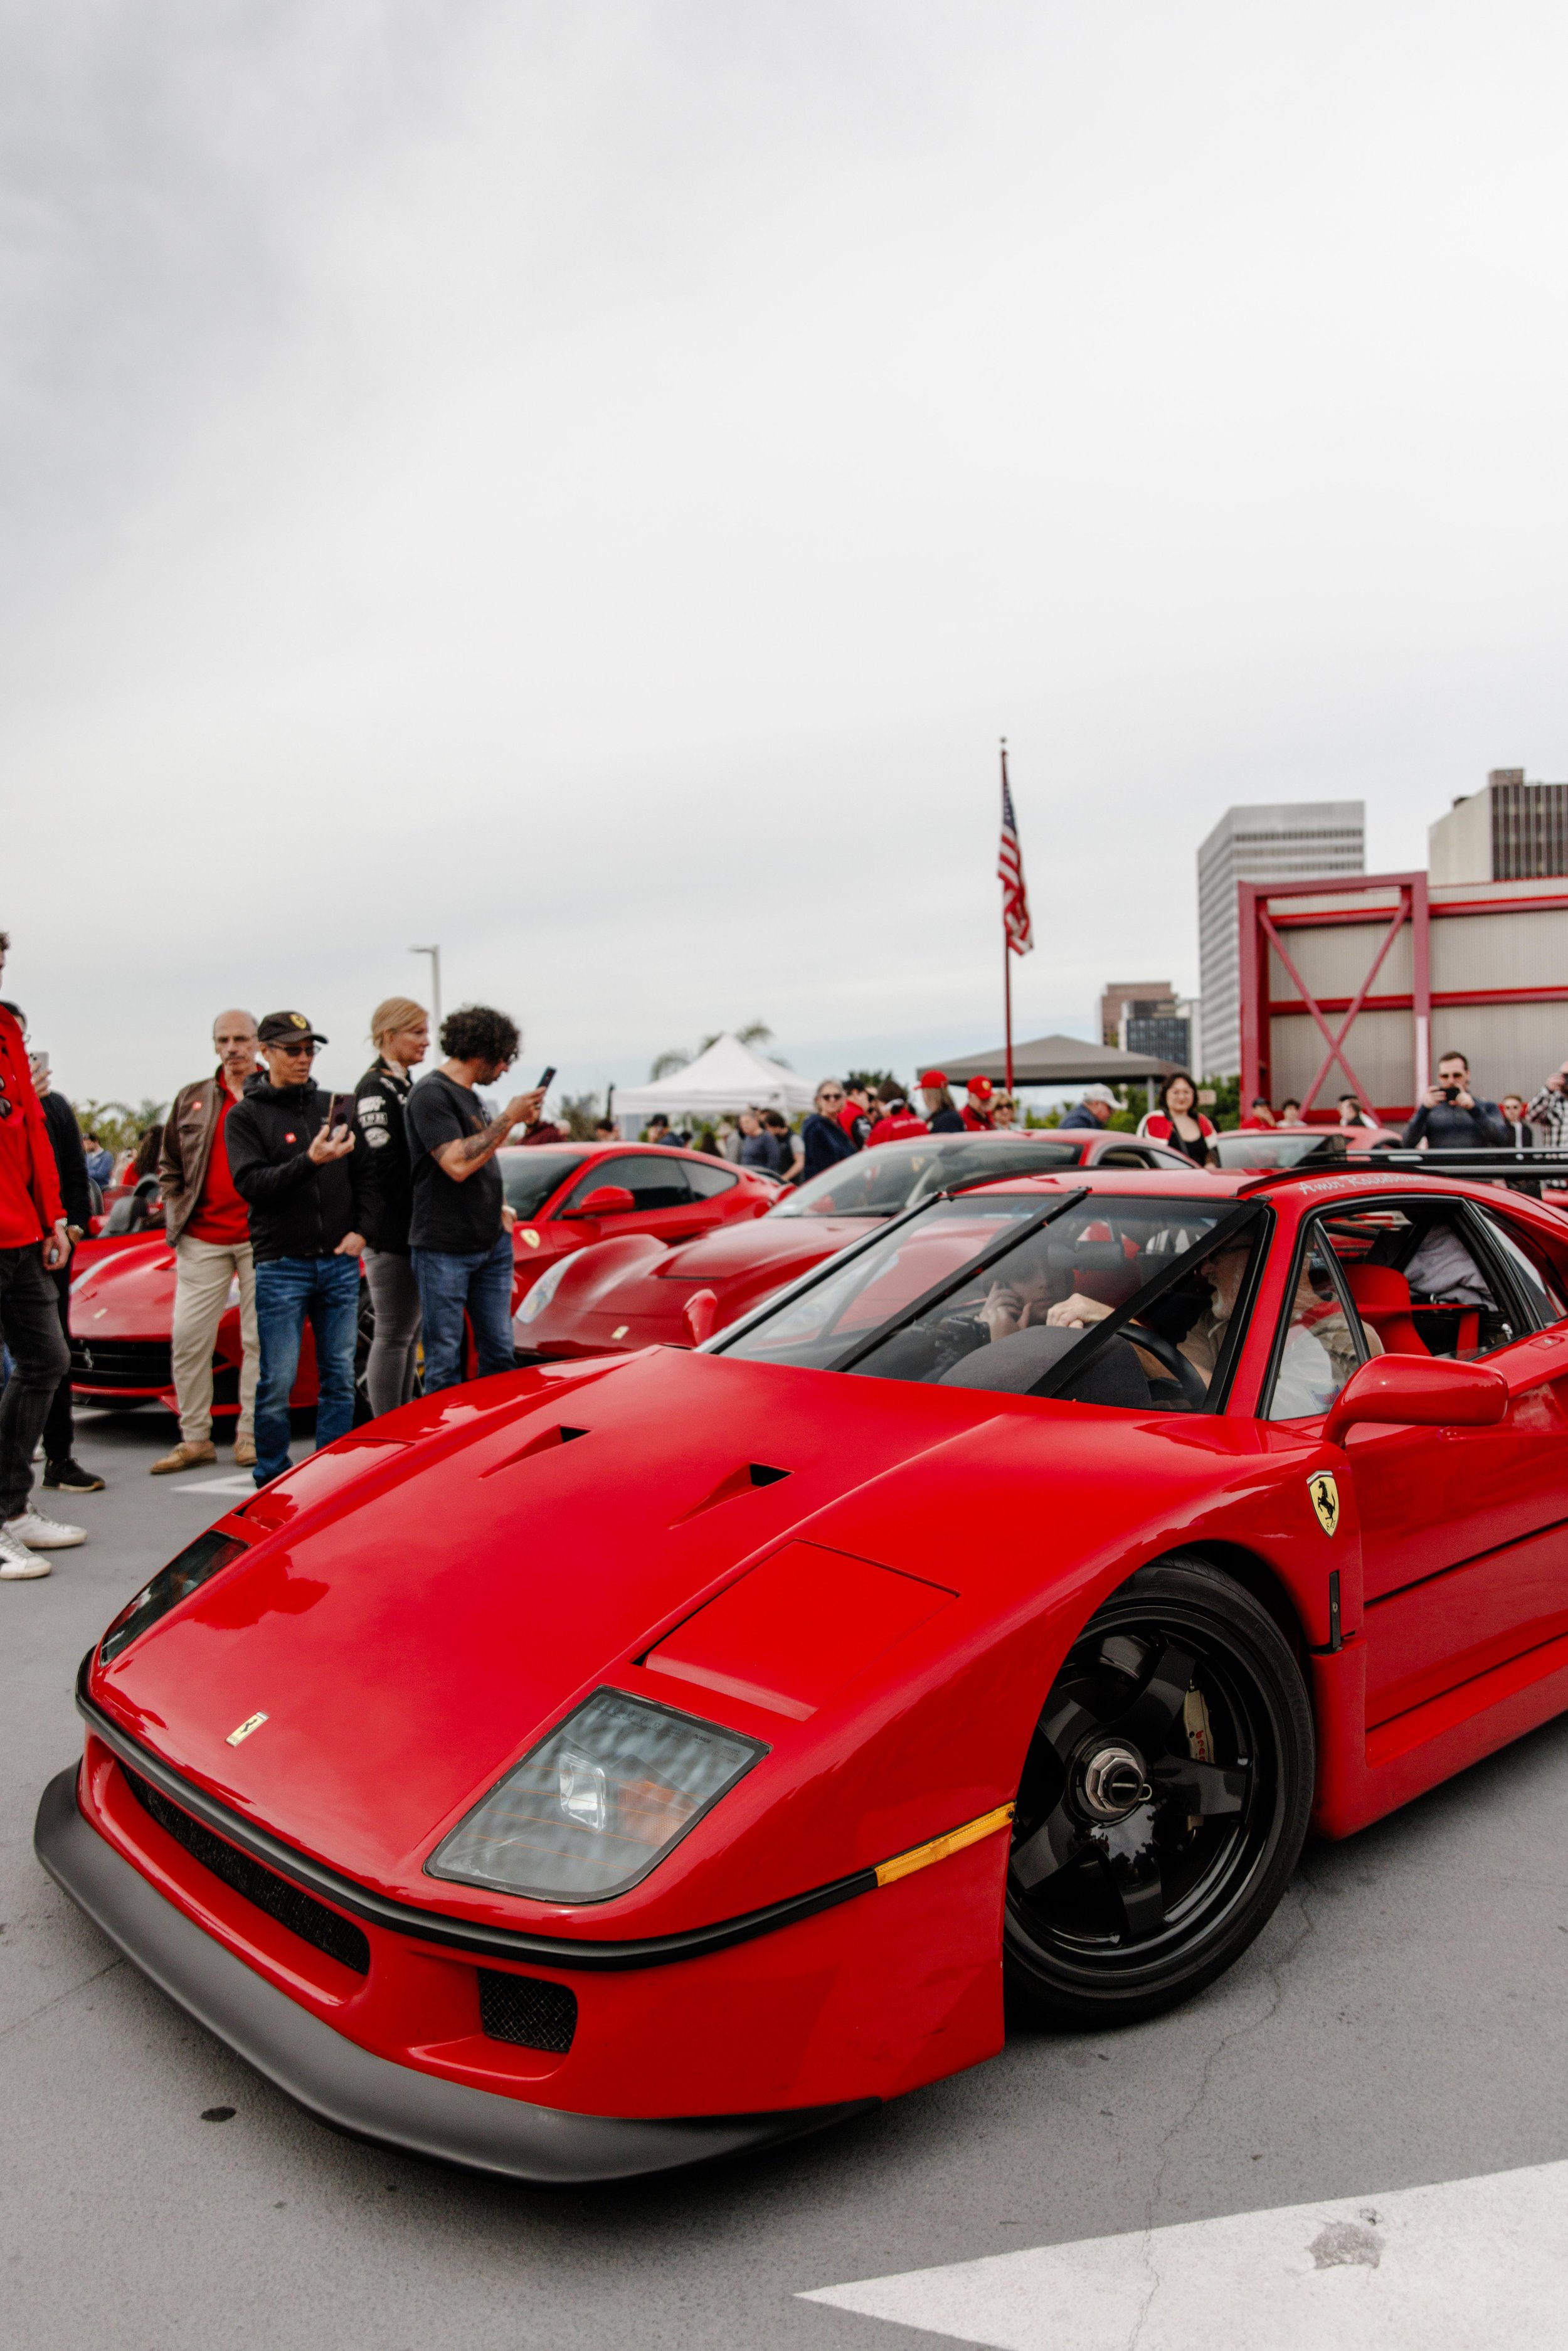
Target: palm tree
{"x":755,"y":1032}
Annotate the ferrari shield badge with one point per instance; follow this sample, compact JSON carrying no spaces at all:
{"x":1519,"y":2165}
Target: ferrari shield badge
{"x":1325,"y":1500}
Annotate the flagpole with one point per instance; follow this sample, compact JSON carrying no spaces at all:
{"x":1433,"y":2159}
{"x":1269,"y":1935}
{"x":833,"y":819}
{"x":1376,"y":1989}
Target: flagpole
{"x":1007,"y":950}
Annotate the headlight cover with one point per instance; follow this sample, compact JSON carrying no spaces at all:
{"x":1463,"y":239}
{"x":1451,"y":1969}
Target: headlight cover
{"x":185,"y":1573}
{"x":597,"y":1804}
{"x":536,"y":1297}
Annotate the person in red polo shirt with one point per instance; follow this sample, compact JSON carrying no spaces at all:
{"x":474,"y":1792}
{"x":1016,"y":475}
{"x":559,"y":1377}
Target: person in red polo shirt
{"x":977,"y":1113}
{"x":33,"y":1243}
{"x":208,"y":1226}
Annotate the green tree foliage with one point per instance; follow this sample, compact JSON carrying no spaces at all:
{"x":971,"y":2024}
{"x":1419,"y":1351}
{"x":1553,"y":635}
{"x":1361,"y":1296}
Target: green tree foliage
{"x":872,"y":1079}
{"x":117,"y":1126}
{"x":577,"y":1113}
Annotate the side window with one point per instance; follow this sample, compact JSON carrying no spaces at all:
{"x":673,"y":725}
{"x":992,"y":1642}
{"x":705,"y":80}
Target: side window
{"x":654,"y":1179}
{"x":707,"y":1179}
{"x":1528,"y":1263}
{"x":1324,"y":1339}
{"x":1123,"y":1157}
{"x":1421,"y":1279}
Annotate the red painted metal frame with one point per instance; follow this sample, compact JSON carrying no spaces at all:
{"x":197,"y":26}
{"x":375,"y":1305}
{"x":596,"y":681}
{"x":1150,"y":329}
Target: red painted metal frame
{"x":1259,"y":932}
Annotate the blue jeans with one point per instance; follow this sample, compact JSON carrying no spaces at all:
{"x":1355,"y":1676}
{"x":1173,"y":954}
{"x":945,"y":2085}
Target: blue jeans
{"x":479,"y":1280}
{"x":288,"y":1291}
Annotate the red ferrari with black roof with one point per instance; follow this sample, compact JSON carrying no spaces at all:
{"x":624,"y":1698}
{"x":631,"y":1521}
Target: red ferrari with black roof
{"x":616,"y":1764}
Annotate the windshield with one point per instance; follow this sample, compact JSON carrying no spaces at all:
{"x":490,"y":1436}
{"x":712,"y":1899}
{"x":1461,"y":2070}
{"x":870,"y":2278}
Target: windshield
{"x":1268,"y":1150}
{"x":530,"y":1177}
{"x":998,"y":1291}
{"x":895,"y":1174}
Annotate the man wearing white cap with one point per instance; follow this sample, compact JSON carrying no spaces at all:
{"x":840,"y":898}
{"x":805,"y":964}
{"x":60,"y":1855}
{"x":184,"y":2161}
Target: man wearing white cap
{"x":1096,"y":1107}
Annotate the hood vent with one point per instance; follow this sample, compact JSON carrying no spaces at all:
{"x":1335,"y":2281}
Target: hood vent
{"x":546,"y":1441}
{"x":744,"y":1481}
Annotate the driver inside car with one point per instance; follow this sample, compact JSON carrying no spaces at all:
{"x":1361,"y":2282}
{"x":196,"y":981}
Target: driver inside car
{"x":1222,"y":1275}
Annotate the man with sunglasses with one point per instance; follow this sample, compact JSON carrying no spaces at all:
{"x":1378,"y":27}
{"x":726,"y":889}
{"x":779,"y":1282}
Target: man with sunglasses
{"x":288,"y":1143}
{"x":33,"y":1241}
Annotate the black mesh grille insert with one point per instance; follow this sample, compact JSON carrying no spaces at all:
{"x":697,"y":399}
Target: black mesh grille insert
{"x":289,"y":1905}
{"x":524,"y":2008}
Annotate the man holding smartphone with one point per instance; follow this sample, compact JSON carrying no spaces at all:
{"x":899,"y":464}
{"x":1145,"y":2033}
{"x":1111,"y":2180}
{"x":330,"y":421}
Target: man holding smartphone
{"x":287,"y":1146}
{"x":460,"y":1233}
{"x":1449,"y":1118}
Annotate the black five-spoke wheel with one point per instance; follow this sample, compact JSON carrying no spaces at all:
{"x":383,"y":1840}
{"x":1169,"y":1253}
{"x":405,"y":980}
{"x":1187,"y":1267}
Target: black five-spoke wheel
{"x":1163,"y":1802}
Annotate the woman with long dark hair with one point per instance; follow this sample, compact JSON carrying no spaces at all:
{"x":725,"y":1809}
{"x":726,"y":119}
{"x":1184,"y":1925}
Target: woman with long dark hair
{"x":1178,"y":1119}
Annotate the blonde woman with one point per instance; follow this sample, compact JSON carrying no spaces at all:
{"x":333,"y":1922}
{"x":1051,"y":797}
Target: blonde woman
{"x":383,"y":1196}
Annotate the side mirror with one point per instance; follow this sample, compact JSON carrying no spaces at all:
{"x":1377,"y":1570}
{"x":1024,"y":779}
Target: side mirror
{"x":699,"y":1314}
{"x":608,"y":1200}
{"x":1418,"y":1391}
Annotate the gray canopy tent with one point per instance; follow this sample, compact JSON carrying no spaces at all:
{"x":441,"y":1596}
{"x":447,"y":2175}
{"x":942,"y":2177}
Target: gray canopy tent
{"x":1061,"y":1062}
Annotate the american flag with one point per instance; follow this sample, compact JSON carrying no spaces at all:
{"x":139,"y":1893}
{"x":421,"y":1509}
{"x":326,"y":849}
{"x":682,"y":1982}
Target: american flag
{"x":1010,"y":873}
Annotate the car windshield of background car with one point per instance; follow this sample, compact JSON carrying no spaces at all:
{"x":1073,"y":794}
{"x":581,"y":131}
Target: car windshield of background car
{"x":897,"y":1175}
{"x":1276,"y":1150}
{"x":528,"y":1177}
{"x":1107,"y":1250}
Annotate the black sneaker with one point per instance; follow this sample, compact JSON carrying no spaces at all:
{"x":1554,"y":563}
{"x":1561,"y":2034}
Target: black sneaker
{"x":70,"y":1478}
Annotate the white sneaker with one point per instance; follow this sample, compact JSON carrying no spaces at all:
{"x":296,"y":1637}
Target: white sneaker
{"x":40,"y":1533}
{"x":17,"y":1562}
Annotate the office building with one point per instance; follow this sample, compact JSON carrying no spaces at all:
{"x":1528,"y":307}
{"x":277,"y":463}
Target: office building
{"x":1508,"y":831}
{"x":1118,"y":993}
{"x":1277,"y":842}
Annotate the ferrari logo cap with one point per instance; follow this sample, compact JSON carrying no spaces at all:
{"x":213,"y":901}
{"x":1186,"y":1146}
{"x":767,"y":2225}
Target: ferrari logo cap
{"x":1325,"y":1500}
{"x":288,"y":1029}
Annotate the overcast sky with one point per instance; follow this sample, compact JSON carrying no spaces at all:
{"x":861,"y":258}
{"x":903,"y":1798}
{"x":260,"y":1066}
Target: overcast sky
{"x":588,"y":484}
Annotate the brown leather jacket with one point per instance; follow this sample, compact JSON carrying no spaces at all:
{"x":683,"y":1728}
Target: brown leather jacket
{"x":188,"y":1132}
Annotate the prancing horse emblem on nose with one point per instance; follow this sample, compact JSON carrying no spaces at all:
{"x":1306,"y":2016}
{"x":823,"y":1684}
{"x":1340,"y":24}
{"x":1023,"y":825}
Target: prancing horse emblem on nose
{"x":252,"y":1722}
{"x":1325,"y":1500}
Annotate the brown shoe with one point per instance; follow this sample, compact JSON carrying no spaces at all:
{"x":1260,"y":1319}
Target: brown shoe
{"x":186,"y":1457}
{"x":245,"y":1453}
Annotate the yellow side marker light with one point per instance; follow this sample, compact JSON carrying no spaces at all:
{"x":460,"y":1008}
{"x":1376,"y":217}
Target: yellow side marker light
{"x":904,"y":1864}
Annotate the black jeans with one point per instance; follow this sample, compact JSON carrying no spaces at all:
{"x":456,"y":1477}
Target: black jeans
{"x":59,"y":1428}
{"x":30,"y":1319}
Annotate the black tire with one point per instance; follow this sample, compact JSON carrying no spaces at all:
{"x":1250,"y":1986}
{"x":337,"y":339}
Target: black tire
{"x":1141,"y":1864}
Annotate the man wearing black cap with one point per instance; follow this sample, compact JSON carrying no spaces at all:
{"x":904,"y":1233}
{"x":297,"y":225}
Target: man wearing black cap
{"x":288,"y":1143}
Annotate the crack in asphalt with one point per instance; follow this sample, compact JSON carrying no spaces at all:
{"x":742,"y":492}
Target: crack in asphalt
{"x":1302,"y":1889}
{"x":70,"y":1993}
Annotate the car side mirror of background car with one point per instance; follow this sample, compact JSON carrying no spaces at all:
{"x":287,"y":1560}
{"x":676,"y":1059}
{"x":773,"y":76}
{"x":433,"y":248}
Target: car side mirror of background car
{"x":608,"y":1200}
{"x":1420,"y":1391}
{"x":699,"y":1314}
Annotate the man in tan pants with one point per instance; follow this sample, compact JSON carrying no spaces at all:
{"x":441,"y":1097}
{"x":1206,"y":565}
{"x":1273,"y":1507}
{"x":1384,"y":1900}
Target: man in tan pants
{"x":209,"y":1231}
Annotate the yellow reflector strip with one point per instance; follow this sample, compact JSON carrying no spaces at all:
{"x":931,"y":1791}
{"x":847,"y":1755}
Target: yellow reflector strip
{"x":904,"y":1864}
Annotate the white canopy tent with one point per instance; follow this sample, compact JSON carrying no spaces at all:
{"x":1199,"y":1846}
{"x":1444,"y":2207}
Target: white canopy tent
{"x":729,"y":1077}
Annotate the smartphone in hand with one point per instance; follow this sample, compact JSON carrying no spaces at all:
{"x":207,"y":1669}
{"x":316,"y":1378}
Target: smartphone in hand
{"x":546,"y":1080}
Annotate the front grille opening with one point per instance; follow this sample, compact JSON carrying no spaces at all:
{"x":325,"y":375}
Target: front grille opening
{"x":290,"y":1906}
{"x":526,"y":2010}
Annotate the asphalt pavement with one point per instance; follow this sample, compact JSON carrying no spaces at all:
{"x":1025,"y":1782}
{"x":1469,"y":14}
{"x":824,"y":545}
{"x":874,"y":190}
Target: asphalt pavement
{"x":1401,"y":2023}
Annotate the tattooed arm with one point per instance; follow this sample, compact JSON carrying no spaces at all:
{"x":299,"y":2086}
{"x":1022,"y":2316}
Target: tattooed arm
{"x":467,"y":1153}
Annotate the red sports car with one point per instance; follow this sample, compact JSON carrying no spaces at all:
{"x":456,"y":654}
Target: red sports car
{"x":632,"y":1292}
{"x":608,"y":1765}
{"x":566,"y":1197}
{"x":1288,"y":1147}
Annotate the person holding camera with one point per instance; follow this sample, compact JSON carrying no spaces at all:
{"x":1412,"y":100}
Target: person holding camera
{"x":1449,"y":1118}
{"x":288,"y":1145}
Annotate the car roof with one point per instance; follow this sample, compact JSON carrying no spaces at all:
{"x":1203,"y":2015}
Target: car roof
{"x":1290,"y":1187}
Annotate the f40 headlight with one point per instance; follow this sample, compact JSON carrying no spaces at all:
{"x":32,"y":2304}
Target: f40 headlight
{"x":536,"y":1297}
{"x":597,"y":1804}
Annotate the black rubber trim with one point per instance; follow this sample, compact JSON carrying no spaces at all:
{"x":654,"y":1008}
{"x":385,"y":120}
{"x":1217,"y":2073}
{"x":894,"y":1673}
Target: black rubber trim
{"x":439,"y":1926}
{"x":348,"y":2087}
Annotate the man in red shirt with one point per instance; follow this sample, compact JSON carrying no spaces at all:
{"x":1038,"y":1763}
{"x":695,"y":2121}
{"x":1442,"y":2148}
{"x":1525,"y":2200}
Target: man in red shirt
{"x":33,"y":1243}
{"x":208,"y":1225}
{"x":977,"y":1109}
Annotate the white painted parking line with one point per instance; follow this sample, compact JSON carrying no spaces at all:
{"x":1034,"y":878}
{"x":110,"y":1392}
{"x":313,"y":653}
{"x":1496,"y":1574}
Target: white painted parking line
{"x":244,"y":1484}
{"x":1468,"y":2265}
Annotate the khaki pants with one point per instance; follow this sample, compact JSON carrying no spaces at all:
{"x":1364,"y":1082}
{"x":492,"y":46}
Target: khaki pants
{"x":203,"y":1276}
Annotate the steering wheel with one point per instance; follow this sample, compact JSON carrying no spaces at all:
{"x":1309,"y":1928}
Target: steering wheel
{"x":1185,"y":1375}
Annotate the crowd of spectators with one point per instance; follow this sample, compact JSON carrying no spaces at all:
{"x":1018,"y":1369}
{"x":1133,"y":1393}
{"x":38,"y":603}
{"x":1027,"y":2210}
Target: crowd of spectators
{"x":272,"y":1191}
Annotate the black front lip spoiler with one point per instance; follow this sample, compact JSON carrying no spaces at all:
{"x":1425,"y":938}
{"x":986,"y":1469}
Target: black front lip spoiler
{"x":348,"y":2087}
{"x":441,"y":1927}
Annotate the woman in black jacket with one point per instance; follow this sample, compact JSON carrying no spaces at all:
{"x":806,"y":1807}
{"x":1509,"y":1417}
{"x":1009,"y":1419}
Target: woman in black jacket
{"x":383,"y":1196}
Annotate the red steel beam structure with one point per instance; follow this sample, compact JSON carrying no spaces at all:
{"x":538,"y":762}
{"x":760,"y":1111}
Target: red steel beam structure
{"x":1259,"y":932}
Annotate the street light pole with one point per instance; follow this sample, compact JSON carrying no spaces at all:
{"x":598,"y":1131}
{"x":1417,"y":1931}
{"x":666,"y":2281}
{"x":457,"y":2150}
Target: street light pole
{"x":434,"y":955}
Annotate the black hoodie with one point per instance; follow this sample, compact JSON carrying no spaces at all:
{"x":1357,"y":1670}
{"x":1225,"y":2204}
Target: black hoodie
{"x":297,"y":1209}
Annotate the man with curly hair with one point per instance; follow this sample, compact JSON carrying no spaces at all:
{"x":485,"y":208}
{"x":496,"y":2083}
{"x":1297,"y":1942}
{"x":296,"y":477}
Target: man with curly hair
{"x":461,"y":1234}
